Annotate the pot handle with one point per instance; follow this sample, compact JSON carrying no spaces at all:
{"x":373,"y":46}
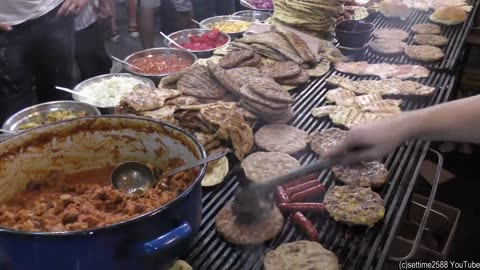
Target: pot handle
{"x":164,"y":242}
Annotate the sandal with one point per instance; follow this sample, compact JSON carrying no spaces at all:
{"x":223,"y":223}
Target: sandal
{"x":114,"y":36}
{"x":133,"y":31}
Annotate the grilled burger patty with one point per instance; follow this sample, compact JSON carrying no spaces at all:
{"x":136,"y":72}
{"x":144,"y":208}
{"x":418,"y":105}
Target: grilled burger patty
{"x":366,"y":174}
{"x":324,"y":141}
{"x":425,"y":53}
{"x":428,"y":39}
{"x":387,"y":46}
{"x":354,"y":205}
{"x":426,"y":28}
{"x":391,"y":33}
{"x":301,"y":255}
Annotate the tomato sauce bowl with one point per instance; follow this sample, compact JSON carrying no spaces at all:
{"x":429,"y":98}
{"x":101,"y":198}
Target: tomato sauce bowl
{"x":157,"y":63}
{"x":201,"y":42}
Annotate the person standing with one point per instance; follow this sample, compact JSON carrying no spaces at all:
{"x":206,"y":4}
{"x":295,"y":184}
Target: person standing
{"x":132,"y":8}
{"x":90,"y":53}
{"x":147,"y":19}
{"x":36,"y":51}
{"x":204,"y":9}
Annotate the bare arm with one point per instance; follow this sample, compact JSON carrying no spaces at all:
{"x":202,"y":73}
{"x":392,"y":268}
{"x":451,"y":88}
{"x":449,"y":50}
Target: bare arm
{"x":454,"y":121}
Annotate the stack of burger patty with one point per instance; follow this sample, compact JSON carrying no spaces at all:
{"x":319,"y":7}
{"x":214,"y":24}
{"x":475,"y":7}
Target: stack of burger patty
{"x":257,"y":92}
{"x":314,"y":16}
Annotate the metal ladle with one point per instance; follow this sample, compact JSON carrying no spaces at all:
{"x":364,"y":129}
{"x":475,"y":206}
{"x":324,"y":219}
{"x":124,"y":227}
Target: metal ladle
{"x":136,"y":177}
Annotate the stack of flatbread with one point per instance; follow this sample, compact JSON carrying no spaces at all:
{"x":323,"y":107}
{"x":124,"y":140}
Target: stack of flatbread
{"x":312,"y":16}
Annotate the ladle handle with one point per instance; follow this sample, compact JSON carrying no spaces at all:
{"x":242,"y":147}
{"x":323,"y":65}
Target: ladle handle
{"x":197,"y":163}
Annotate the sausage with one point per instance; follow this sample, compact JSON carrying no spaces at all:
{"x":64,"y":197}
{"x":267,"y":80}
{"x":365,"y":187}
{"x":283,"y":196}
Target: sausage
{"x":295,"y":189}
{"x":302,"y":207}
{"x":301,"y":180}
{"x":309,"y":194}
{"x":301,"y":221}
{"x":282,"y":196}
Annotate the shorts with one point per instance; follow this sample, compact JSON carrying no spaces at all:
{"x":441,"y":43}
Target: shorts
{"x":180,"y":5}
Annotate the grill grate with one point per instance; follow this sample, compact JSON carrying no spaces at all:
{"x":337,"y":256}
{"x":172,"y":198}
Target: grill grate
{"x":455,"y":34}
{"x":356,"y":248}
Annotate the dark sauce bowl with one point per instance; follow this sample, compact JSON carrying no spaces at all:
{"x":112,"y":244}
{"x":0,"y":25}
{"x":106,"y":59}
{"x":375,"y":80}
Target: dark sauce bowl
{"x":353,"y":34}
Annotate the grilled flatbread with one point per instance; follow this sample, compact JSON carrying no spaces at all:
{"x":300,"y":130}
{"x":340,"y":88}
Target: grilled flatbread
{"x":143,"y":98}
{"x":267,"y":88}
{"x":276,"y":42}
{"x":198,"y":82}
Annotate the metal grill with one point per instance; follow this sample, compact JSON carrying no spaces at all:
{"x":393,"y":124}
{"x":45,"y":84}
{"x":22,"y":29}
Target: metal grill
{"x":455,"y":34}
{"x":356,"y":248}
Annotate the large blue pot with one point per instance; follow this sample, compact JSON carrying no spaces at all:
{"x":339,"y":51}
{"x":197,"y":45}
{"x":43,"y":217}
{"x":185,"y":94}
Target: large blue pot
{"x":151,"y":241}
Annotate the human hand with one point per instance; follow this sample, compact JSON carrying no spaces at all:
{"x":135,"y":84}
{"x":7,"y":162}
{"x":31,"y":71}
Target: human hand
{"x":72,"y":7}
{"x":371,"y":141}
{"x":5,"y":27}
{"x":105,"y":9}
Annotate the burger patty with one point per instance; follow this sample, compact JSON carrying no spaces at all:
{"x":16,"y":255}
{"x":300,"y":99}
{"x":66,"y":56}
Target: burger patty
{"x":301,"y":255}
{"x":354,"y":205}
{"x":428,"y":39}
{"x":248,"y":234}
{"x":424,"y":53}
{"x":365,"y":174}
{"x":387,"y":46}
{"x":262,"y":166}
{"x":281,"y":138}
{"x":426,"y":28}
{"x":324,"y":141}
{"x":391,"y":33}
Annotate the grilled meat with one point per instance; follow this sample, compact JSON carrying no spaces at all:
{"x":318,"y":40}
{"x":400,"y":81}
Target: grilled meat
{"x":365,"y":174}
{"x":340,"y":96}
{"x":382,"y":87}
{"x":325,"y":140}
{"x":200,"y":83}
{"x":354,"y":205}
{"x":390,"y":33}
{"x":281,"y":70}
{"x":144,"y":98}
{"x":295,"y":80}
{"x":425,"y":53}
{"x":274,"y":41}
{"x":297,"y":43}
{"x":383,"y":70}
{"x":235,"y":58}
{"x":269,"y":89}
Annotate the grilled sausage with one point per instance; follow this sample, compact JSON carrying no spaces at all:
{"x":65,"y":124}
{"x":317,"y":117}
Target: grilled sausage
{"x":298,"y":188}
{"x":309,"y":194}
{"x":282,"y":196}
{"x":301,"y":180}
{"x":301,"y":207}
{"x":301,"y":221}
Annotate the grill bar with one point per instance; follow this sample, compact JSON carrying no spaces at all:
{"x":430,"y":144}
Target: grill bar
{"x":356,"y":248}
{"x":455,"y":34}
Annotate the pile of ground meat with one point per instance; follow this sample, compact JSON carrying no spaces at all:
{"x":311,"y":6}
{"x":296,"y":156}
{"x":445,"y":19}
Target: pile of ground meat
{"x":54,"y":205}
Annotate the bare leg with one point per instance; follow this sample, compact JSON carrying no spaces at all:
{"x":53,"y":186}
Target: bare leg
{"x":115,"y":33}
{"x":147,"y":27}
{"x":132,"y":17}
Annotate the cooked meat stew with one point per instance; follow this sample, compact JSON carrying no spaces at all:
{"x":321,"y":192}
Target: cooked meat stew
{"x":84,"y":200}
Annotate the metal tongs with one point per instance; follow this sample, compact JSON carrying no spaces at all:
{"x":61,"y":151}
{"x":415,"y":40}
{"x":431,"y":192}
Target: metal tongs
{"x":252,"y":201}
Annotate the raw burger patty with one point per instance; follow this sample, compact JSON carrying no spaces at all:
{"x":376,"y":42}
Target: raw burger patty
{"x":248,"y":234}
{"x":366,"y":174}
{"x":261,"y":166}
{"x":425,"y":53}
{"x":354,"y":205}
{"x":300,"y":255}
{"x":387,"y":46}
{"x":391,"y":33}
{"x":324,"y":141}
{"x":426,"y":28}
{"x":281,"y":138}
{"x":428,"y":39}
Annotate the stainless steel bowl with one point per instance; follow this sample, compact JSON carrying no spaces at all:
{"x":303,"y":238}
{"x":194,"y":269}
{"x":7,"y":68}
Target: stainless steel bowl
{"x":244,"y":3}
{"x":208,"y":23}
{"x":26,"y":115}
{"x":157,"y":51}
{"x":184,"y":35}
{"x":103,"y":109}
{"x":255,"y":15}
